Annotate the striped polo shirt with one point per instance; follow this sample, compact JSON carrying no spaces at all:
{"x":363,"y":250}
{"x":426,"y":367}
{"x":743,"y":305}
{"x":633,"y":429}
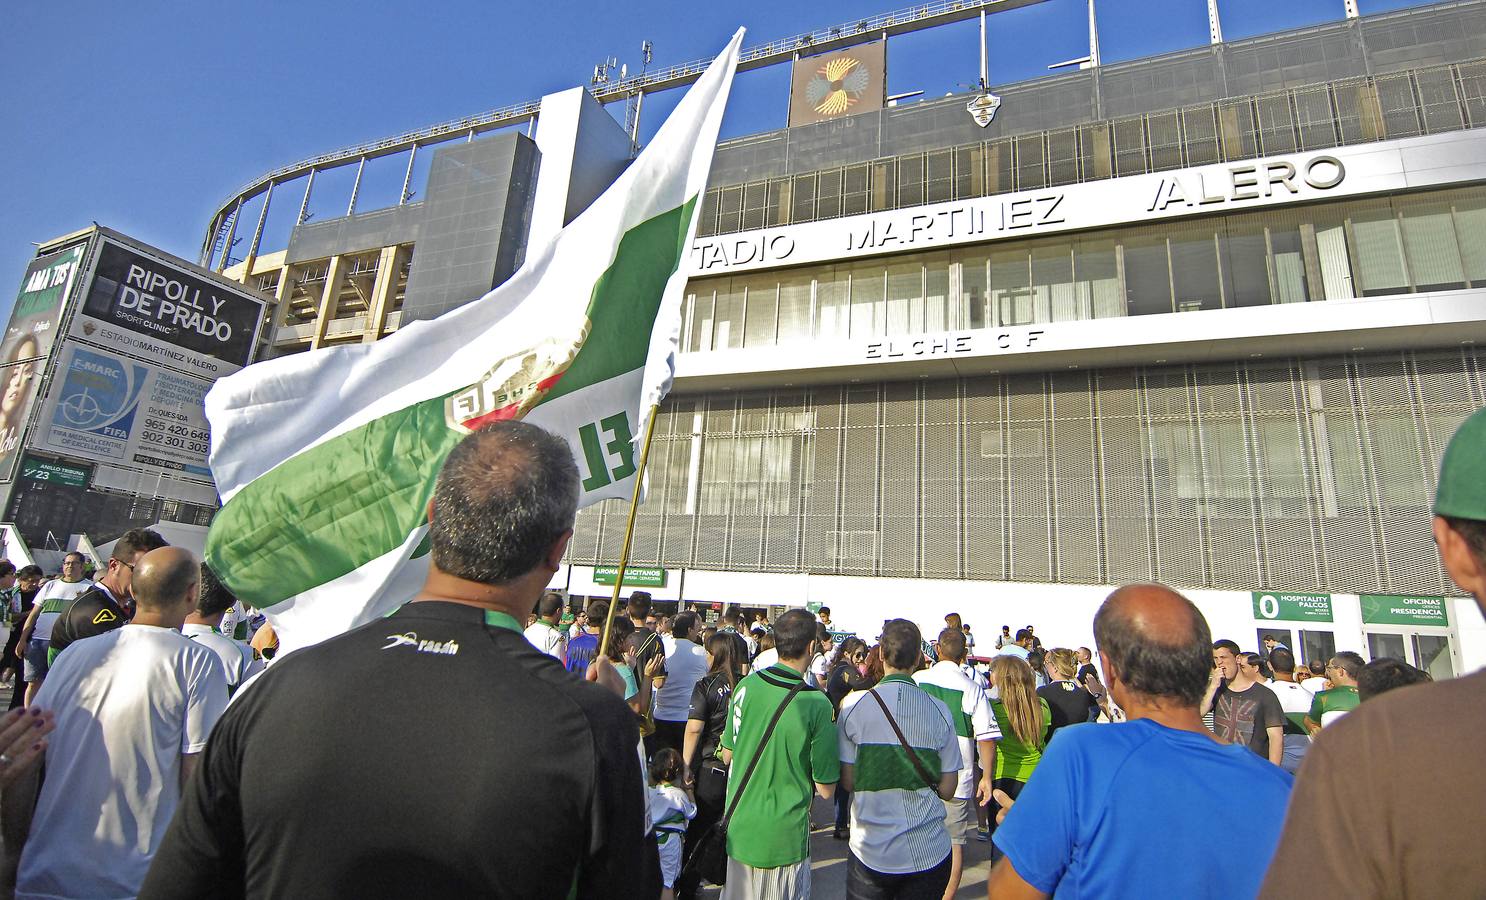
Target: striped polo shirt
{"x":897,"y":821}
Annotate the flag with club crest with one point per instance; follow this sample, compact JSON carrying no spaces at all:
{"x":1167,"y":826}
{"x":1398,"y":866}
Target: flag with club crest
{"x":326,"y":461}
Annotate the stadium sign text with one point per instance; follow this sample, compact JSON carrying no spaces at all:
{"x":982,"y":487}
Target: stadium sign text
{"x":1254,"y":184}
{"x":1249,"y":182}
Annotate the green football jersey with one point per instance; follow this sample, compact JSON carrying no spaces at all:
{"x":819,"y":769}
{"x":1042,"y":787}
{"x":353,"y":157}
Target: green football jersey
{"x":771,"y":826}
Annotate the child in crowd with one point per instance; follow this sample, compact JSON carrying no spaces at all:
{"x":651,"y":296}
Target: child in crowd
{"x":670,"y":809}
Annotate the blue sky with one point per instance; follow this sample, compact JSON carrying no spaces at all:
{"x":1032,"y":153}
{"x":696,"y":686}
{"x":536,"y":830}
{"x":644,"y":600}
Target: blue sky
{"x":143,"y":116}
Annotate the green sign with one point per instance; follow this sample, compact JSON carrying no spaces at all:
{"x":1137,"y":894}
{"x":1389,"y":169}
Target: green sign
{"x":54,"y":472}
{"x":1292,"y":607}
{"x":812,"y":607}
{"x":639,"y":577}
{"x":1395,"y":609}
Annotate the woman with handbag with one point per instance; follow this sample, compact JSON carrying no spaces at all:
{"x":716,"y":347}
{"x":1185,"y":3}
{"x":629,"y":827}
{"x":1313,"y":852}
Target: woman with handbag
{"x":705,"y":770}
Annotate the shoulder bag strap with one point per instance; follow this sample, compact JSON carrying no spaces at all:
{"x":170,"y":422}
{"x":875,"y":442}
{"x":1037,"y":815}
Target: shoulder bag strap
{"x":759,"y":754}
{"x":930,"y":781}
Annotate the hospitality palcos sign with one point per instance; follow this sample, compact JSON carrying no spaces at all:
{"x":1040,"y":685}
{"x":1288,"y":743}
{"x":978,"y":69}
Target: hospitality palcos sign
{"x":1237,"y":186}
{"x":1292,"y":607}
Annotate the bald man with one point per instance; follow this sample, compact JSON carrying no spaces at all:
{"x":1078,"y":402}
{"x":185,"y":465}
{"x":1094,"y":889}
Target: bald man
{"x":133,"y":709}
{"x":1118,"y":808}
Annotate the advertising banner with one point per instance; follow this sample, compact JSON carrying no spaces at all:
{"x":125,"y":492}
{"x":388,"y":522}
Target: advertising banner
{"x":1394,"y":609}
{"x":18,"y":384}
{"x":834,"y":85}
{"x":153,"y":310}
{"x":638,"y":576}
{"x":1292,"y":607}
{"x":38,"y":308}
{"x":108,"y":408}
{"x":34,"y":468}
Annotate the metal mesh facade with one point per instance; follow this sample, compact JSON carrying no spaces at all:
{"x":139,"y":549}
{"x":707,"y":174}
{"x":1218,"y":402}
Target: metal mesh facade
{"x":1306,"y":475}
{"x":1378,"y":45}
{"x":1315,"y":117}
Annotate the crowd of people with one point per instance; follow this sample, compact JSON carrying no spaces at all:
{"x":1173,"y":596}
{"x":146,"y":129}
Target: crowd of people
{"x":513,"y":749}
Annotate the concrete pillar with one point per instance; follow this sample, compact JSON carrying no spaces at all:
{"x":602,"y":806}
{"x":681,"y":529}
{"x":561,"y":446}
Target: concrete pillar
{"x":283,"y":295}
{"x":384,"y":290}
{"x":335,"y":273}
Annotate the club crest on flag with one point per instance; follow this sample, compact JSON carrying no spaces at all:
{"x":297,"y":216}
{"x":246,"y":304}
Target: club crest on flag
{"x":515,"y":384}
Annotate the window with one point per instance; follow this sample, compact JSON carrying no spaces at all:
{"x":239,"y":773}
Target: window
{"x":866,"y":301}
{"x":832,"y":304}
{"x":794,"y":308}
{"x":762,"y":309}
{"x":1378,"y":253}
{"x":1194,"y":269}
{"x":1011,"y":287}
{"x":728,"y":334}
{"x":1052,"y":283}
{"x":905,"y":298}
{"x":1430,"y":245}
{"x":1147,"y":276}
{"x":1098,"y":278}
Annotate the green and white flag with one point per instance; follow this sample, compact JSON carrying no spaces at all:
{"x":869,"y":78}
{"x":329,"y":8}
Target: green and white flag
{"x":326,"y":461}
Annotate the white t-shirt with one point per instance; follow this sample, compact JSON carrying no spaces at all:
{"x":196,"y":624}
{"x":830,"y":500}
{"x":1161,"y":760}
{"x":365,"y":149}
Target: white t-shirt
{"x":764,"y":660}
{"x":237,"y":659}
{"x":947,"y":681}
{"x":1315,"y":685}
{"x":61,"y":594}
{"x":128,"y":703}
{"x":1294,"y":698}
{"x":819,"y":671}
{"x":686,"y":663}
{"x":547,"y":638}
{"x":897,"y":821}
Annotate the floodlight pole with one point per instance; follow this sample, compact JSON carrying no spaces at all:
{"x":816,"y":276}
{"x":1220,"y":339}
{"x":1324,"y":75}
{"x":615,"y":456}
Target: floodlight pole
{"x":1214,"y":25}
{"x":1352,"y":11}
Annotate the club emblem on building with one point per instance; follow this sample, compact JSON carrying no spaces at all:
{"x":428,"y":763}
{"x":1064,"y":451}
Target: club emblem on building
{"x":983,"y":108}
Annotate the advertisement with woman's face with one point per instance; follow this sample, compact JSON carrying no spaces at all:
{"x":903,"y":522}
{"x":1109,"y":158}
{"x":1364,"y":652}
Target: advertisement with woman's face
{"x":34,"y":319}
{"x":18,"y":381}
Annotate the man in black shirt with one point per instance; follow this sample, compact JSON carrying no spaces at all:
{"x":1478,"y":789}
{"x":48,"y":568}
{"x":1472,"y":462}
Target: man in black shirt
{"x":108,"y":604}
{"x":477,"y":767}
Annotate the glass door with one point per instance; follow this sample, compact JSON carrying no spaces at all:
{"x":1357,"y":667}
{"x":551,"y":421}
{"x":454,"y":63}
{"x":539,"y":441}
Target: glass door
{"x":1432,"y":654}
{"x":1381,"y":645}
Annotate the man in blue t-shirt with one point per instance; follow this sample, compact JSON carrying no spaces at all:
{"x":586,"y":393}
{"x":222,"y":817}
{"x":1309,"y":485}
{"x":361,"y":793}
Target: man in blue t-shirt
{"x":1085,"y":824}
{"x":583,"y":648}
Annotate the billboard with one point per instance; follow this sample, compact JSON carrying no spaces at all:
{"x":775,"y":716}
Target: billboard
{"x":18,"y":382}
{"x":110,"y":408}
{"x":834,"y":85}
{"x":38,"y":308}
{"x":160,"y":312}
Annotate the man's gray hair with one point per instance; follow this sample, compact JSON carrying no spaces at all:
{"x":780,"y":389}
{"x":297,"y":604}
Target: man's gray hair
{"x":505,"y":494}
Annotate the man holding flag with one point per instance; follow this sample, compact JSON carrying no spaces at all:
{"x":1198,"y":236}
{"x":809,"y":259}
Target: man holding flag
{"x":352,"y":476}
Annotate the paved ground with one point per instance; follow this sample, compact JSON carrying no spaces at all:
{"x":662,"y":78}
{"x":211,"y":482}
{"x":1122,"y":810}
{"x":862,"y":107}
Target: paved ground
{"x":828,"y":865}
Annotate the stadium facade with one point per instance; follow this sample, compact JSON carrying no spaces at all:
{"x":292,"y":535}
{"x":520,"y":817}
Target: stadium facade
{"x":1206,"y":318}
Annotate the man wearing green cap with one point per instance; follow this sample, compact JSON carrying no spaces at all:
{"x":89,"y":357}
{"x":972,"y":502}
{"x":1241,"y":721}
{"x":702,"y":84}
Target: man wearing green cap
{"x":1376,"y":786}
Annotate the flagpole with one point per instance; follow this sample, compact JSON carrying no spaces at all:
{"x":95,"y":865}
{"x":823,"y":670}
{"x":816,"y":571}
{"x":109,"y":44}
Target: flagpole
{"x":629,"y":529}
